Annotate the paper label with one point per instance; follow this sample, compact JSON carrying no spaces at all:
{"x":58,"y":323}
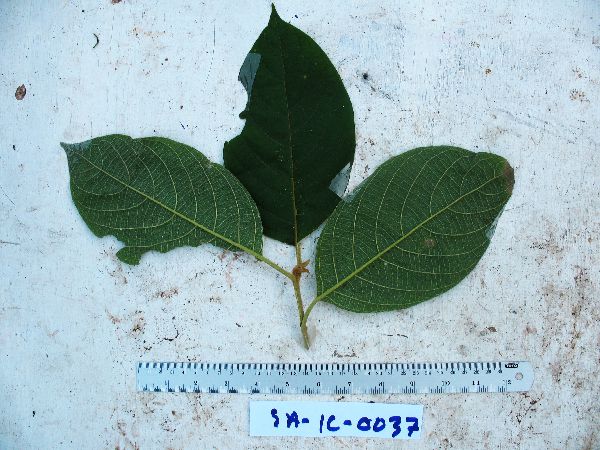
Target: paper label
{"x":314,"y":419}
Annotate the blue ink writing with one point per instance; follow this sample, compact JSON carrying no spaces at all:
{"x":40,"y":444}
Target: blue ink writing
{"x":378,"y":425}
{"x":364,"y":424}
{"x":414,"y":427}
{"x":395,"y":420}
{"x":329,"y":426}
{"x":292,"y":419}
{"x":333,"y":424}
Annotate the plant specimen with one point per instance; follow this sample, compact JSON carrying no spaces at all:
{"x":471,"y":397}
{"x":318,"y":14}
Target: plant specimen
{"x":410,"y":231}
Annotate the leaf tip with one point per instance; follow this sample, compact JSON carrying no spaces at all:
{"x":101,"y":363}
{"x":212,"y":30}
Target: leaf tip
{"x":509,"y":176}
{"x":274,"y":14}
{"x":66,"y":147}
{"x":71,"y":148}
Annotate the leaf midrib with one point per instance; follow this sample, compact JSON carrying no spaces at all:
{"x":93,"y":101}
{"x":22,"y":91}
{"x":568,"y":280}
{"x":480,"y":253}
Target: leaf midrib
{"x":290,"y":147}
{"x":395,"y":243}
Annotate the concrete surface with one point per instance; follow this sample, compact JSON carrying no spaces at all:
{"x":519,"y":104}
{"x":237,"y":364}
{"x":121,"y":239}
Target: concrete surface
{"x":519,"y":78}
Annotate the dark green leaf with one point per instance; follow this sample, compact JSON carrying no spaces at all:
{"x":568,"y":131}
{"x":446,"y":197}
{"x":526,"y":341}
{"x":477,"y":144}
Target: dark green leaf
{"x":413,"y":229}
{"x":157,"y":194}
{"x":299,"y":131}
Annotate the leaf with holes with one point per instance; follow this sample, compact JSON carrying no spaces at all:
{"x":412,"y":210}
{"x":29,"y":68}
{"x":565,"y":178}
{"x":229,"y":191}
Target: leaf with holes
{"x":299,"y":132}
{"x":412,"y":230}
{"x":158,"y":194}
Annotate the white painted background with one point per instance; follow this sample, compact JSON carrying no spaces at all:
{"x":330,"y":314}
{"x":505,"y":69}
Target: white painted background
{"x":519,"y":78}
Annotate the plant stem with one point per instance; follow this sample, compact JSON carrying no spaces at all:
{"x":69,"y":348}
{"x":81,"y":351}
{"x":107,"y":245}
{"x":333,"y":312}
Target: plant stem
{"x":298,"y":294}
{"x":300,"y":305}
{"x":274,"y":265}
{"x":297,"y":272}
{"x":306,"y":314}
{"x":298,"y":248}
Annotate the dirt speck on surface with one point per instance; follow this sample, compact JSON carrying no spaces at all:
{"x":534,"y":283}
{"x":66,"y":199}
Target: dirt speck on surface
{"x":114,"y":319}
{"x":488,"y":71}
{"x":229,"y":268}
{"x":576,"y":94}
{"x":168,"y":293}
{"x":129,"y":443}
{"x":116,"y":272}
{"x":530,"y":329}
{"x":171,"y":339}
{"x":344,"y":355}
{"x":487,"y":331}
{"x":552,"y":246}
{"x":139,"y":324}
{"x":114,"y":2}
{"x":215,"y":299}
{"x":21,"y":92}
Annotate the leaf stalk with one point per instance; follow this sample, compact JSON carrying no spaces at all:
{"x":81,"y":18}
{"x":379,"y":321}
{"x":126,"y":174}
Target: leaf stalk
{"x":305,"y":317}
{"x":298,"y":270}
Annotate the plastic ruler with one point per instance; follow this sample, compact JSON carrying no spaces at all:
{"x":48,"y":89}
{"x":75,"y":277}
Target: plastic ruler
{"x":335,"y":378}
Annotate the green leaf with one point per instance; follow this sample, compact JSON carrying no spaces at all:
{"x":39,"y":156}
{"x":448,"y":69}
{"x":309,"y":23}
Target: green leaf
{"x":412,"y":230}
{"x":298,"y":135}
{"x":157,"y":194}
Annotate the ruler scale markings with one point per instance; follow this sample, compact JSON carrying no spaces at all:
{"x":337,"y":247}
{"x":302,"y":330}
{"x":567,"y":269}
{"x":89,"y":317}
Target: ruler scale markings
{"x":348,"y":378}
